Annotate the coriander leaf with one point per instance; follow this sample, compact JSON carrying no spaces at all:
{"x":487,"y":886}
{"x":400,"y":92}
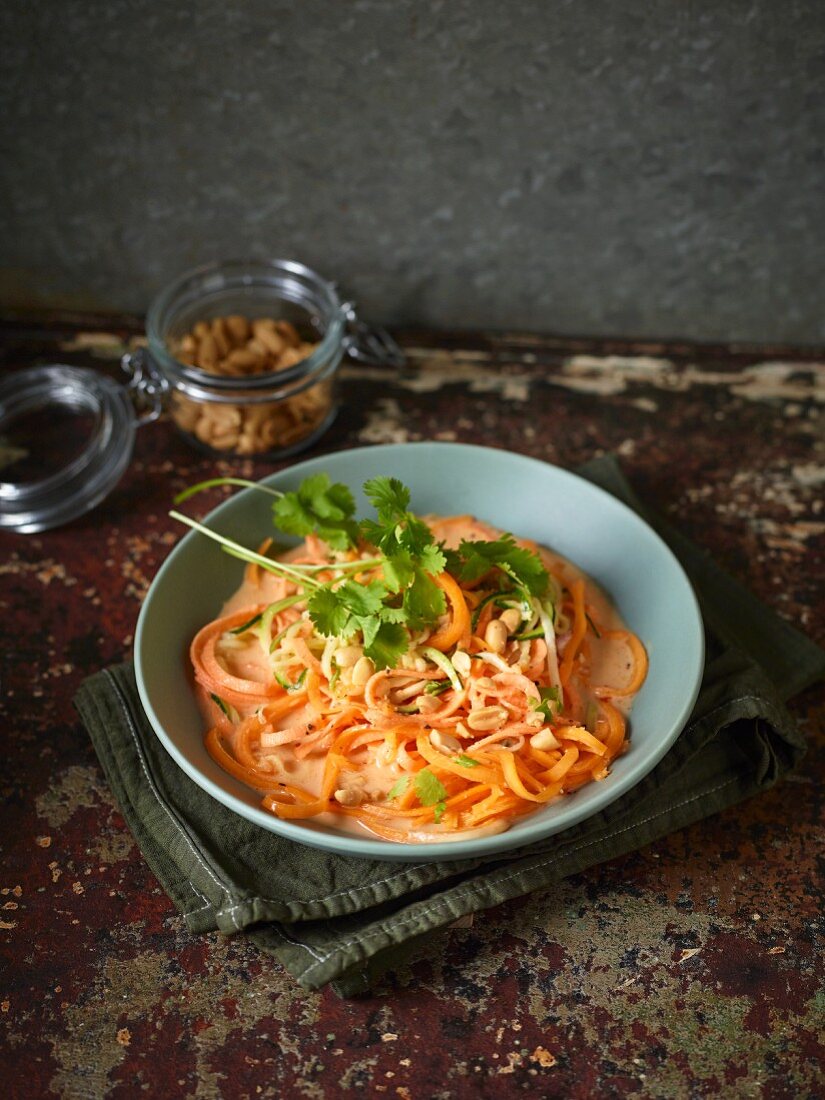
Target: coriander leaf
{"x":399,"y":570}
{"x":424,"y":601}
{"x":550,"y":703}
{"x":329,"y":613}
{"x":335,"y":502}
{"x":369,"y":629}
{"x":377,"y":534}
{"x":321,"y":508}
{"x":362,"y":599}
{"x":397,"y":529}
{"x":390,"y":643}
{"x":475,"y":559}
{"x":467,"y":761}
{"x":432,"y":559}
{"x":389,"y":497}
{"x":452,"y":560}
{"x":416,"y":535}
{"x":438,"y":813}
{"x":429,"y":788}
{"x":392,"y":614}
{"x":399,"y":787}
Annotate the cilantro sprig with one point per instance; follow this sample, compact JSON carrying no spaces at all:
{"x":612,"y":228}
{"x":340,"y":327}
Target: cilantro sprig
{"x":411,"y":556}
{"x":382,"y":586}
{"x":429,"y":790}
{"x":475,"y":559}
{"x":319,"y":507}
{"x":549,"y":703}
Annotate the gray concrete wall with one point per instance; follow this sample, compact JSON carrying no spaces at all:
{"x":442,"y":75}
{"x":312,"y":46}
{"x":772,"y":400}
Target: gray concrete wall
{"x":643,"y":167}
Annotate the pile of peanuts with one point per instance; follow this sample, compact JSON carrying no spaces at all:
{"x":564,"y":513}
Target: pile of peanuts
{"x":239,"y":347}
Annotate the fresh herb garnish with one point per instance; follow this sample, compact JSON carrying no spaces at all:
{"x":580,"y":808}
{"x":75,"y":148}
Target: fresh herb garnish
{"x":474,"y":560}
{"x":320,"y":508}
{"x":411,"y":556}
{"x":549,"y":704}
{"x":429,"y":788}
{"x":467,"y":761}
{"x":399,"y":787}
{"x":385,"y":597}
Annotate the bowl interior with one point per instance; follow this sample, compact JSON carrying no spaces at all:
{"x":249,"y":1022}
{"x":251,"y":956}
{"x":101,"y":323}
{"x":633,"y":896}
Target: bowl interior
{"x":519,"y":494}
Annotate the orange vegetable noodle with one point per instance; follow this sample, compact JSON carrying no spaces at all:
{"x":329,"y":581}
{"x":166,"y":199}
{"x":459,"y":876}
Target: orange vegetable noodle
{"x":515,"y":693}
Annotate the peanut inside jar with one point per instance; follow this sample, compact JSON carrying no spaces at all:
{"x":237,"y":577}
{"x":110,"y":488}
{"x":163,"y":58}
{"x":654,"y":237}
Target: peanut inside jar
{"x":235,"y":346}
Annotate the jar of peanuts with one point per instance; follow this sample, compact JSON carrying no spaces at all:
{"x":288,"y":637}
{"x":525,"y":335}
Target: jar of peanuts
{"x":249,"y":351}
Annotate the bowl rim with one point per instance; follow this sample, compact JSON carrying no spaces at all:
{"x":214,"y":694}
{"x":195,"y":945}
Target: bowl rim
{"x":348,"y":844}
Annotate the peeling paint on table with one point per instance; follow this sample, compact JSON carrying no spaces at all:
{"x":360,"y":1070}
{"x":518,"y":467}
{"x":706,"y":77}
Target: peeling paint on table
{"x":691,"y":968}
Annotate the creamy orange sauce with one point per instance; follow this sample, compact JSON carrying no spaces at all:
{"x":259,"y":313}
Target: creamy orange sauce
{"x":610,"y":664}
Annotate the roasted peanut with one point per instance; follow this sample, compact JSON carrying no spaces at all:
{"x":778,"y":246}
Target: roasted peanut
{"x":427,"y":704}
{"x":233,"y":346}
{"x":363,"y":670}
{"x":207,"y":352}
{"x":244,"y":360}
{"x":511,"y":619}
{"x":496,"y":635}
{"x":348,"y":655}
{"x":403,"y":695}
{"x":348,"y":797}
{"x":486,"y":718}
{"x":238,"y":328}
{"x":462,"y":662}
{"x":267,"y":335}
{"x":444,"y":742}
{"x":288,"y":331}
{"x":221,"y":336}
{"x":544,"y":740}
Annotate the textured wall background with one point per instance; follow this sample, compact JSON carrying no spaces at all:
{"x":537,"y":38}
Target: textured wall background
{"x":653,"y":167}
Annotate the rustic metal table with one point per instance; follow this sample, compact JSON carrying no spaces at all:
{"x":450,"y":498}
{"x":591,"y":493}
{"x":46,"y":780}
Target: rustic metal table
{"x":691,"y":968}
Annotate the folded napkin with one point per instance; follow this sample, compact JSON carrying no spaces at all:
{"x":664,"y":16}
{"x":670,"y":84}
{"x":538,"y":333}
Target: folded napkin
{"x":343,"y":920}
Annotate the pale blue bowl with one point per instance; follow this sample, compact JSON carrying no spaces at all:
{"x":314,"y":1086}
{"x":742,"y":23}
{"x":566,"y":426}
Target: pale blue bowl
{"x":518,"y":494}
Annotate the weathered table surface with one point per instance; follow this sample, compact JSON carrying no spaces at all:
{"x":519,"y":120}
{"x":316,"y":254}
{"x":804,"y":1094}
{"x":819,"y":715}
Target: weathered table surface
{"x":691,"y":968}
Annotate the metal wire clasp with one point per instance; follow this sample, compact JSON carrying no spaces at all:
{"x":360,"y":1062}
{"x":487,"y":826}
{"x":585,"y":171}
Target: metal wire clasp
{"x":147,"y":385}
{"x":369,"y":344}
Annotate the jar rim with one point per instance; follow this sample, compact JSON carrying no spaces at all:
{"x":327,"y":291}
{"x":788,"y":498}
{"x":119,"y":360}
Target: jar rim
{"x":240,"y":273}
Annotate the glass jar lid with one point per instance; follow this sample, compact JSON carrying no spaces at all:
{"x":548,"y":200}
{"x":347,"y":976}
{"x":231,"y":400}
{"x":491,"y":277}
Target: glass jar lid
{"x":66,"y":438}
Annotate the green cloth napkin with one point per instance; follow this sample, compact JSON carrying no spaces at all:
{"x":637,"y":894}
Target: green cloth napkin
{"x":344,"y":920}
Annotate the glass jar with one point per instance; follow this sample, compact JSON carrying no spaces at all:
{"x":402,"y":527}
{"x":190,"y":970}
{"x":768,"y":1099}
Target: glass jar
{"x":249,"y":351}
{"x":67,"y":433}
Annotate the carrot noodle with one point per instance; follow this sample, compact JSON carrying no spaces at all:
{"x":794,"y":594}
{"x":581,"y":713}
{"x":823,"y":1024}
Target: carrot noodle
{"x":459,"y":626}
{"x":252,"y":572}
{"x":579,"y":631}
{"x":410,"y":753}
{"x":639,"y":667}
